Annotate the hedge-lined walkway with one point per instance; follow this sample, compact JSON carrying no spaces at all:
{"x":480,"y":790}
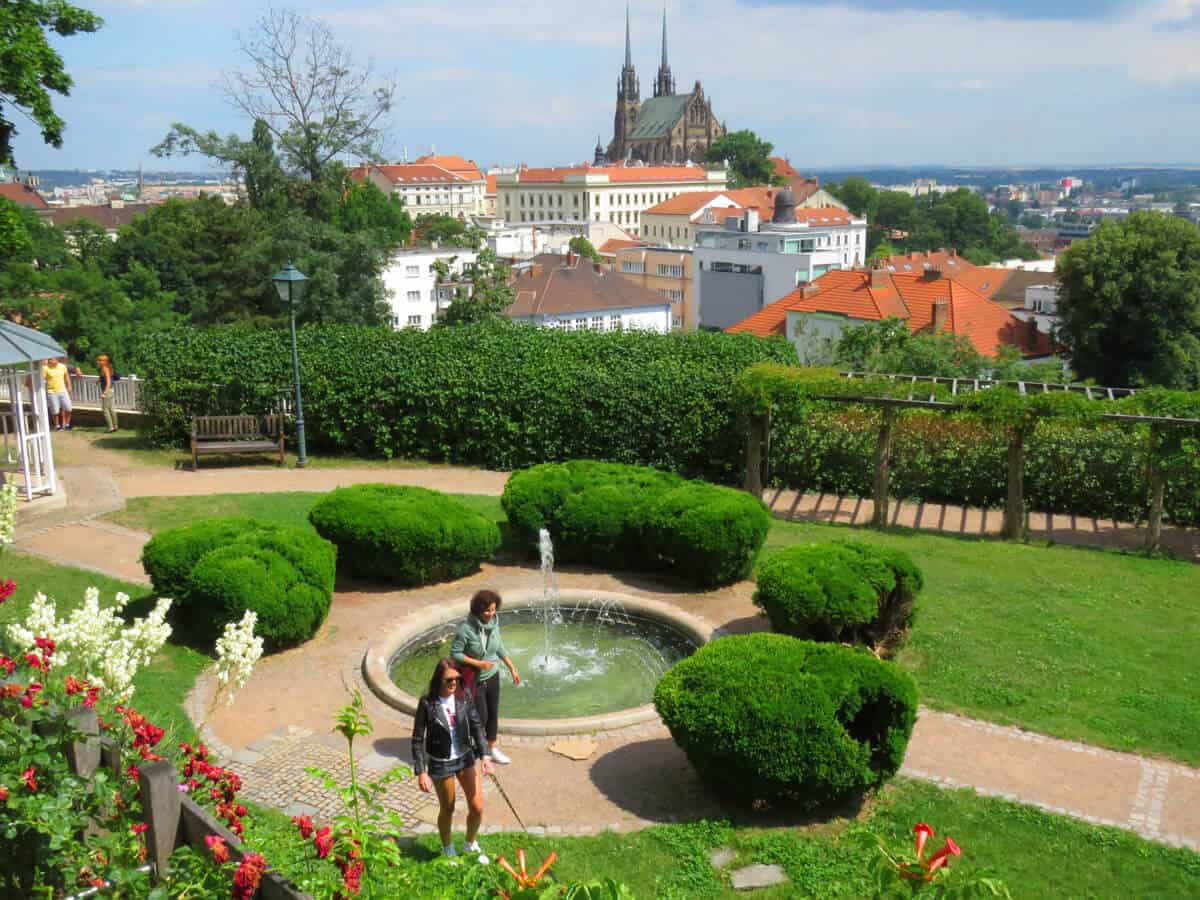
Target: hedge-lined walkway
{"x":635,"y":777}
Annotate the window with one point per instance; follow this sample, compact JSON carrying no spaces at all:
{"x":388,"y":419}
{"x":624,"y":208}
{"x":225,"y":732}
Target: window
{"x":677,"y":322}
{"x":597,"y":323}
{"x":670,"y":271}
{"x":762,"y":245}
{"x":566,"y":325}
{"x":414,"y":320}
{"x":671,"y":294}
{"x":581,"y":324}
{"x":721,"y":267}
{"x":633,"y":267}
{"x":614,"y":323}
{"x":744,"y":243}
{"x":412,"y":271}
{"x":414,"y":297}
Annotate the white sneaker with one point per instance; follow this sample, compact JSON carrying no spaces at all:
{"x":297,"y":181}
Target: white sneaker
{"x":472,"y":847}
{"x":449,"y":851}
{"x":499,"y":756}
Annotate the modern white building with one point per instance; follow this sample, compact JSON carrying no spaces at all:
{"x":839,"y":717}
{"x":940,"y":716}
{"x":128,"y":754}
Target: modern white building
{"x":412,"y":288}
{"x":616,"y":194}
{"x":1041,"y":307}
{"x":746,"y":263}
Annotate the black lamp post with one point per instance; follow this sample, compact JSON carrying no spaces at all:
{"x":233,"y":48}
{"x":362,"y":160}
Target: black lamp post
{"x":290,"y":283}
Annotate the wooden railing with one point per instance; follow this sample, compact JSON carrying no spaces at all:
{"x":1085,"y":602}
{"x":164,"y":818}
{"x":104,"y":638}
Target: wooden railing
{"x":85,"y":392}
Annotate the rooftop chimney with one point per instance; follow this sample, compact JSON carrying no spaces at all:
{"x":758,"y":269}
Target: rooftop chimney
{"x":931,"y":273}
{"x":809,"y":290}
{"x":752,"y":220}
{"x":941,"y":312}
{"x":879,"y":278}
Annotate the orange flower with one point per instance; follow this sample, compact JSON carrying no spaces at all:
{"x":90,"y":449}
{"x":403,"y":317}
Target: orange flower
{"x":923,"y":833}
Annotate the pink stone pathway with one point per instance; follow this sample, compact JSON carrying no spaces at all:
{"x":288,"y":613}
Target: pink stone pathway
{"x":637,"y":776}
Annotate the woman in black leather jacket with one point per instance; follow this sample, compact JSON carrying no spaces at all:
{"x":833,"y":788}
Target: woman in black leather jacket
{"x":447,"y":740}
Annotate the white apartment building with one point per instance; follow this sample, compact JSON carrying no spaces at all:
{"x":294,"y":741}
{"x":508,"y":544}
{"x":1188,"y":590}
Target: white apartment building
{"x":616,"y":195}
{"x":411,"y":284}
{"x":1041,"y":307}
{"x":747,"y":263}
{"x":433,"y":185}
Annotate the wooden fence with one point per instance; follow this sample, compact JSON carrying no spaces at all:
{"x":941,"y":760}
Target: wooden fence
{"x":173,"y":819}
{"x":85,"y":392}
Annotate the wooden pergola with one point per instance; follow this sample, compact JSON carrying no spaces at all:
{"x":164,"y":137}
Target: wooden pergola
{"x":923,"y":393}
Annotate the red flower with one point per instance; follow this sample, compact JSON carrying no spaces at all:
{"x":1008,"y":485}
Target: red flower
{"x":92,"y":694}
{"x":941,"y":858}
{"x":138,"y":827}
{"x":304,"y":823}
{"x":30,"y":692}
{"x":74,"y":686}
{"x":352,"y":875}
{"x":3,"y":794}
{"x":216,"y":844}
{"x":8,"y":665}
{"x":30,"y":781}
{"x":10,"y":690}
{"x":34,"y":661}
{"x":248,"y":876}
{"x":923,"y":833}
{"x":132,"y":773}
{"x":240,"y":811}
{"x":6,"y":589}
{"x":45,"y":644}
{"x":323,"y":842}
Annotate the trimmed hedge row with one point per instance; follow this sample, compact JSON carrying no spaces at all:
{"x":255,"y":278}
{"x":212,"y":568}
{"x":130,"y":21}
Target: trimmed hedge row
{"x":216,"y":569}
{"x":501,"y":396}
{"x":847,"y":591}
{"x":633,"y":517}
{"x":1090,"y":470}
{"x":769,"y":717}
{"x":410,"y":535}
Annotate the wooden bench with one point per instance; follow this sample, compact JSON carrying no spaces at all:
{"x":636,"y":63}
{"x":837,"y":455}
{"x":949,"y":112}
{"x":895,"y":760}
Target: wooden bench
{"x":236,"y":434}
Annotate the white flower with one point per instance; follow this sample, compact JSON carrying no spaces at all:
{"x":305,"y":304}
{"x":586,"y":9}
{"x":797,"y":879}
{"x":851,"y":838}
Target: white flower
{"x":237,"y":652}
{"x":8,"y":513}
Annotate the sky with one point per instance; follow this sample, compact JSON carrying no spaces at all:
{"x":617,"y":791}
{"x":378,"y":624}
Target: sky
{"x":854,"y":83}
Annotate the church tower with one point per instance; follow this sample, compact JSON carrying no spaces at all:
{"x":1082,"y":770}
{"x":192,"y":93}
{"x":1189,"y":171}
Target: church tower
{"x":664,"y":85}
{"x":629,"y":101}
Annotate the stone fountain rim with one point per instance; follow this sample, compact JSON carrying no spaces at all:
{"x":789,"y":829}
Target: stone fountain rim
{"x":377,"y":659}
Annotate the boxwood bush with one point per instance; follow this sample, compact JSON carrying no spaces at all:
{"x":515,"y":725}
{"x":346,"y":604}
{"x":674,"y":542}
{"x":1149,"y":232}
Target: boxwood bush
{"x":767,"y":717}
{"x":216,"y":569}
{"x":633,"y":517}
{"x":409,"y":535}
{"x":847,"y":591}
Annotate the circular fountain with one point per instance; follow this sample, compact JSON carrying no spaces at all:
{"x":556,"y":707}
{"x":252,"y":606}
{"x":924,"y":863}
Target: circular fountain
{"x":589,"y":660}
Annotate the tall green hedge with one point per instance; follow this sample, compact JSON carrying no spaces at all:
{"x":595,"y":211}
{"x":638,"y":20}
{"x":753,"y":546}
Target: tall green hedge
{"x":501,"y":396}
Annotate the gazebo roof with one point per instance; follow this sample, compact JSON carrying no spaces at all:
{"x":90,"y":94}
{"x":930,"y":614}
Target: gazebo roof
{"x":20,"y":345}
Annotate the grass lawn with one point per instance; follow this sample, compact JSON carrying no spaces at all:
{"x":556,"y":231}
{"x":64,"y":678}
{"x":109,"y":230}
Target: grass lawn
{"x":1083,"y":644}
{"x":159,"y":689}
{"x":1036,"y":854}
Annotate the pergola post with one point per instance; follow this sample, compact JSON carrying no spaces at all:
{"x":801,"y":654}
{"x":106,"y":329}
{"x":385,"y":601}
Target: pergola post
{"x":1014,"y":504}
{"x":758,"y":436}
{"x":883,"y":455}
{"x":1158,"y":483}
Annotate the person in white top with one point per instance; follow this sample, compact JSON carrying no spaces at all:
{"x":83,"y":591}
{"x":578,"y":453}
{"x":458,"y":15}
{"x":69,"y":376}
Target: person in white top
{"x":447,"y":740}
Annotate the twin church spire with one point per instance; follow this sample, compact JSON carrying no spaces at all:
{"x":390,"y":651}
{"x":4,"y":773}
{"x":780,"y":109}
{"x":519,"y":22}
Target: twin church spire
{"x":664,"y":83}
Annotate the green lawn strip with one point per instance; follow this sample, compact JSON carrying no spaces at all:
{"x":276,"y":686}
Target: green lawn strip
{"x":1090,"y":645}
{"x":161,"y":687}
{"x":1035,"y":853}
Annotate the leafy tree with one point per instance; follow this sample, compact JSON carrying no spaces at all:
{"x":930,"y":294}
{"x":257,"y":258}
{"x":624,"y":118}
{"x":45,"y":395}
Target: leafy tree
{"x":858,"y":195}
{"x":1033,"y":220}
{"x":888,"y":346}
{"x":882,"y":250}
{"x":446,"y":230}
{"x":1129,"y":302}
{"x":15,"y":243}
{"x":748,"y":156}
{"x":365,"y":208}
{"x":87,"y":240}
{"x":491,"y":293}
{"x":583,"y":247}
{"x":30,"y":68}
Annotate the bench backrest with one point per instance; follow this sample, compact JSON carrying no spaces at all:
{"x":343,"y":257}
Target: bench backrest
{"x":224,"y":427}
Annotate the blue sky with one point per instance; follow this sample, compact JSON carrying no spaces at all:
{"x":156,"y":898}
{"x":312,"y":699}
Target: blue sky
{"x":851,"y":83}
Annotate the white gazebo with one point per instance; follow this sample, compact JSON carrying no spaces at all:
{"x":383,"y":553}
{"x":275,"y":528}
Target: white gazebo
{"x":22,"y":354}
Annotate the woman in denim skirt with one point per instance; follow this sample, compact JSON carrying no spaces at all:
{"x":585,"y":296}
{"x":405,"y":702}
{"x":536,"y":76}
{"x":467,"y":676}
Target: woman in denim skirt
{"x":447,"y":741}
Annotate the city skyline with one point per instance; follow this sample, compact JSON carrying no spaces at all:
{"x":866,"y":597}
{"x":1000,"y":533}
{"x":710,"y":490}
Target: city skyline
{"x":865,"y":83}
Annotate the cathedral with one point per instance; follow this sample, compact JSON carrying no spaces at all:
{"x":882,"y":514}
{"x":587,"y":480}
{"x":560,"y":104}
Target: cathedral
{"x":668,"y":127}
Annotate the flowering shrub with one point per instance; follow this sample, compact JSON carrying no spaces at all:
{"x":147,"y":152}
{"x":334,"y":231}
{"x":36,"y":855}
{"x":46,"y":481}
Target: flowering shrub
{"x":8,"y":514}
{"x":238,"y":651}
{"x":899,"y":875}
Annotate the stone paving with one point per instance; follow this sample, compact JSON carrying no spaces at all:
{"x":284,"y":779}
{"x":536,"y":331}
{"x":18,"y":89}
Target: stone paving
{"x":280,"y":723}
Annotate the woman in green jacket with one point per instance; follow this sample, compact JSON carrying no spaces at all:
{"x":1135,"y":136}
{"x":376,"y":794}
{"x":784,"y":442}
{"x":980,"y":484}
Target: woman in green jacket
{"x":478,"y":644}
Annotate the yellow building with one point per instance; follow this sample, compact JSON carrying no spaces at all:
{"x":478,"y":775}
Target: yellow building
{"x":665,"y":271}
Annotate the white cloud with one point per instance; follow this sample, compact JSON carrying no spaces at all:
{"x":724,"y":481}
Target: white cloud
{"x":973,"y":84}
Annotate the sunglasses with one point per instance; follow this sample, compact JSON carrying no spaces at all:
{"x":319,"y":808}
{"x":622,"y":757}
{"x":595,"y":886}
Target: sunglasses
{"x":453,"y":680}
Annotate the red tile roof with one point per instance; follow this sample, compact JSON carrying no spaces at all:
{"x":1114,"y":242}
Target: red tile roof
{"x":22,"y":195}
{"x":783,"y":168}
{"x":616,"y":174}
{"x":684,"y":204}
{"x":612,"y":245}
{"x":456,"y":164}
{"x":410,"y":173}
{"x":909,"y":296}
{"x":552,"y":287}
{"x":980,"y":279}
{"x":490,"y":187}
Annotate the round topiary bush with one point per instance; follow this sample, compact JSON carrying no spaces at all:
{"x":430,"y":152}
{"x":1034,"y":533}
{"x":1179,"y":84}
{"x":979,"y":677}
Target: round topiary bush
{"x":849,"y":591}
{"x":635,"y":517}
{"x":409,"y":535}
{"x":217,"y":569}
{"x":767,"y":717}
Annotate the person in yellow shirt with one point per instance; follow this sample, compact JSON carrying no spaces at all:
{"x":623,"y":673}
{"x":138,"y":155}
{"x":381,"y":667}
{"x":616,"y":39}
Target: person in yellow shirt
{"x":58,"y":392}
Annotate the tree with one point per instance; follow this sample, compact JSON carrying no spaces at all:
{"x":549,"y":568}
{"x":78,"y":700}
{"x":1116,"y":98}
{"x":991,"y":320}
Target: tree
{"x":858,"y":195}
{"x":1129,"y":302}
{"x":1033,"y":220}
{"x":583,"y":247}
{"x":491,"y":293}
{"x":882,"y":250}
{"x":748,"y":156}
{"x":15,"y":244}
{"x":888,"y":346}
{"x":30,"y":68}
{"x":309,"y":92}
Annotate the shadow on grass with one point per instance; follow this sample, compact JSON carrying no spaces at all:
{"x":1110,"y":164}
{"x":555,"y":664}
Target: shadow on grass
{"x":654,"y":781}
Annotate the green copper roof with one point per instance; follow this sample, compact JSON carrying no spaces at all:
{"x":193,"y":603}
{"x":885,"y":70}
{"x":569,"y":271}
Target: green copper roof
{"x":659,"y":115}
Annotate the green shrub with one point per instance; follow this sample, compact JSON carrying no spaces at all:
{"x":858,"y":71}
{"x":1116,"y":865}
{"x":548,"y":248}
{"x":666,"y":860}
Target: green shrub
{"x":769,"y":717}
{"x":633,"y":517}
{"x":501,"y":396}
{"x":217,"y":569}
{"x":409,"y":535}
{"x":847,"y":591}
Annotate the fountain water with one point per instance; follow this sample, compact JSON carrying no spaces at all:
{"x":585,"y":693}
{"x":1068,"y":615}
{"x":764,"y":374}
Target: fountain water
{"x":549,"y":612}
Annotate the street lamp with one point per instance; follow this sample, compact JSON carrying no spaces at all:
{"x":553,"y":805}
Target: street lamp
{"x":290,"y":283}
